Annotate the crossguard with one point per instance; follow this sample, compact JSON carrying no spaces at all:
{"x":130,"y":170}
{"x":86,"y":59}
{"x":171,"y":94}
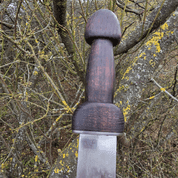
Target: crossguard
{"x":98,"y":115}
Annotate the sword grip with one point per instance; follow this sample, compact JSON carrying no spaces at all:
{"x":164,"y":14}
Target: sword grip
{"x":98,"y":114}
{"x":100,"y":74}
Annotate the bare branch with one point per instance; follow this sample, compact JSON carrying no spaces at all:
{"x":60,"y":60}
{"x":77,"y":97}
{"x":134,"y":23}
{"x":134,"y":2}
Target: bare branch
{"x":60,"y":7}
{"x":18,"y":10}
{"x":137,"y":35}
{"x":8,"y":25}
{"x":139,"y":73}
{"x":127,"y":9}
{"x":163,"y":90}
{"x":137,"y":3}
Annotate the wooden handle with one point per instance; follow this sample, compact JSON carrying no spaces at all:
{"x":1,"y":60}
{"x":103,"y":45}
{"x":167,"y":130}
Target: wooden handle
{"x":98,"y":114}
{"x":100,"y":72}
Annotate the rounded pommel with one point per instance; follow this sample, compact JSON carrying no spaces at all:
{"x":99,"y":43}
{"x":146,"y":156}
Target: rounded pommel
{"x":103,"y":24}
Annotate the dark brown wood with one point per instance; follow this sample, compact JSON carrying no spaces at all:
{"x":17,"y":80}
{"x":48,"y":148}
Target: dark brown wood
{"x":98,"y":117}
{"x":100,"y":72}
{"x":103,"y":24}
{"x":98,"y":114}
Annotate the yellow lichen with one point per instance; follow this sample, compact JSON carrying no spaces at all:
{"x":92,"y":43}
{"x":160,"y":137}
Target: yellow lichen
{"x":35,"y":73}
{"x":76,"y":154}
{"x":127,"y":78}
{"x":119,"y":89}
{"x":152,"y":63}
{"x":162,"y":89}
{"x":125,"y":112}
{"x":142,"y":129}
{"x":142,"y":54}
{"x":151,"y":97}
{"x":68,"y":168}
{"x":36,"y":158}
{"x":62,"y":169}
{"x":67,"y":108}
{"x":164,"y":26}
{"x":56,"y":170}
{"x":77,"y":143}
{"x":117,"y":104}
{"x":64,"y":155}
{"x":61,"y":163}
{"x":2,"y":166}
{"x":127,"y":71}
{"x":155,"y":41}
{"x":133,"y":63}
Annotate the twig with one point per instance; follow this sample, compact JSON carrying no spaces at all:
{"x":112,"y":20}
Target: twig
{"x":10,"y":63}
{"x":137,"y":3}
{"x":82,"y":14}
{"x":151,"y":97}
{"x":78,"y":100}
{"x":18,"y":10}
{"x":127,"y":28}
{"x":127,"y":9}
{"x":160,"y":130}
{"x":77,"y":93}
{"x":37,"y":150}
{"x":175,"y":82}
{"x":44,"y":27}
{"x":164,"y":90}
{"x":8,"y":25}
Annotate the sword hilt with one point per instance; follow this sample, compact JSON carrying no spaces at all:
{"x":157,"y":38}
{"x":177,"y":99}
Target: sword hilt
{"x":98,"y":114}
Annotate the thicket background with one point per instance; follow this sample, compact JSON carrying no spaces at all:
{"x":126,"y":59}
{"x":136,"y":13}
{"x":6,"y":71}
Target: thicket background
{"x":43,"y":59}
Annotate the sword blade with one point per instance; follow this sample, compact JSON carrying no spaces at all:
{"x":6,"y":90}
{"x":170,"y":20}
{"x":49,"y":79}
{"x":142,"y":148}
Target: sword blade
{"x":96,"y":156}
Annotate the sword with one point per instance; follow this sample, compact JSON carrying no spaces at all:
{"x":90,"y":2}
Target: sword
{"x":98,"y":120}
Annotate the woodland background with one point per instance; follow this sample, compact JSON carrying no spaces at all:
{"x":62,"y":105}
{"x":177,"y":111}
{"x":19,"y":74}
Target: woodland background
{"x":43,"y":59}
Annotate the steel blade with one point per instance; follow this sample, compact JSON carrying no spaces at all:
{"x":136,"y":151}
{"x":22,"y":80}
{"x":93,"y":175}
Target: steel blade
{"x":96,"y":156}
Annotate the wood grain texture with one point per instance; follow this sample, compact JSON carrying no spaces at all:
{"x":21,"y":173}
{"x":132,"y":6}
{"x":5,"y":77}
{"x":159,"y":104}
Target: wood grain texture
{"x":100,"y":72}
{"x":98,"y":114}
{"x":103,"y":24}
{"x":98,"y":117}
